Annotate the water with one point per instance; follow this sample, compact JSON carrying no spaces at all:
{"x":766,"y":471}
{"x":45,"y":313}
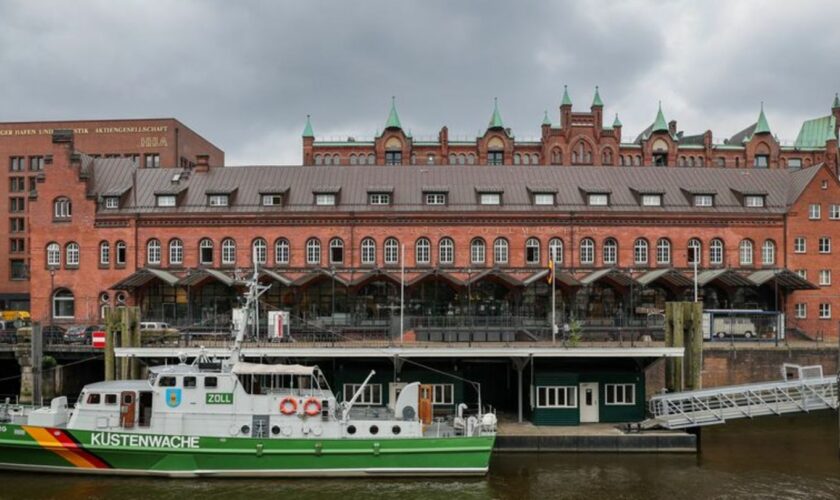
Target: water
{"x":790,"y":457}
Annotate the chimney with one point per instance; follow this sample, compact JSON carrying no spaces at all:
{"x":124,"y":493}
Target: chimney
{"x":202,"y":163}
{"x":672,"y":127}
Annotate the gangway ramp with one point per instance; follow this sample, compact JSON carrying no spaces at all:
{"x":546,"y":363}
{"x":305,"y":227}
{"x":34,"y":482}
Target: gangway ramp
{"x":803,"y":389}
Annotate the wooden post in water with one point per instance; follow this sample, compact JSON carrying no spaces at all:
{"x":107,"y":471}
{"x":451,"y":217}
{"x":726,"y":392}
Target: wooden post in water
{"x":684,"y":328}
{"x":111,"y":326}
{"x":134,"y":326}
{"x":125,"y":341}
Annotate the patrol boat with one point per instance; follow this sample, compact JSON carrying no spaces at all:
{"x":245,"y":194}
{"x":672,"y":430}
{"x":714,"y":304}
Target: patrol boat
{"x":228,"y":417}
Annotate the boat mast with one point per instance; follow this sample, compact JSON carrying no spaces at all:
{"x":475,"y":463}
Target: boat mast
{"x":252,"y":306}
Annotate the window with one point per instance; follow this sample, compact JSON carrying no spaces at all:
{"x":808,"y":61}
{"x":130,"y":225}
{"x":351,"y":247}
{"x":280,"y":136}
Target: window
{"x":825,"y":311}
{"x":368,"y":251}
{"x":270,"y":200}
{"x":443,"y":394}
{"x":62,"y":208}
{"x":211,"y":382}
{"x":313,"y":251}
{"x":167,"y":382}
{"x":620,"y":394}
{"x":17,"y":245}
{"x":17,"y":225}
{"x":695,"y":252}
{"x":176,"y":252}
{"x":16,"y":164}
{"x":532,"y":251}
{"x":379,"y":199}
{"x":801,"y":311}
{"x":153,"y":252}
{"x":259,"y":251}
{"x":121,"y":253}
{"x":16,"y":205}
{"x":704,"y":200}
{"x":557,"y":397}
{"x":218,"y":200}
{"x":640,"y":251}
{"x":446,"y":251}
{"x":370,"y":396}
{"x":423,"y":251}
{"x":663,"y":251}
{"x":598,"y":200}
{"x":761,"y":161}
{"x":582,"y":154}
{"x":825,"y":277}
{"x":17,"y":184}
{"x":53,"y":255}
{"x":794,"y":163}
{"x":495,"y":157}
{"x":325,"y":199}
{"x":651,"y":200}
{"x":94,"y":398}
{"x":555,"y":250}
{"x":799,"y":244}
{"x":556,"y":157}
{"x":768,"y":253}
{"x":500,"y":251}
{"x":754,"y":201}
{"x":544,"y":199}
{"x":64,"y":304}
{"x":190,"y":382}
{"x":610,"y":251}
{"x":814,"y":211}
{"x":18,"y":269}
{"x":587,"y":251}
{"x":228,"y":252}
{"x":834,"y":212}
{"x":152,"y":160}
{"x":490,"y":199}
{"x":392,"y":251}
{"x":205,"y":251}
{"x":802,"y":273}
{"x":281,"y":251}
{"x":430,"y":159}
{"x":745,"y":251}
{"x":477,"y":251}
{"x":825,"y":244}
{"x":393,"y":157}
{"x":110,"y":399}
{"x":112,"y":202}
{"x":336,"y":251}
{"x":165,"y":200}
{"x":435,"y":198}
{"x":716,"y":252}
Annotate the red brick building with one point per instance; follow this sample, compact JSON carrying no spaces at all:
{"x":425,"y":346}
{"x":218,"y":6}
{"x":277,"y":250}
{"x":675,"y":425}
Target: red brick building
{"x":26,"y":148}
{"x":474,"y":243}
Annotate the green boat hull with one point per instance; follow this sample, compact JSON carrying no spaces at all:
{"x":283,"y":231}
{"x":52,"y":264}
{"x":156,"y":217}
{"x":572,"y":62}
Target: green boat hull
{"x":92,"y":452}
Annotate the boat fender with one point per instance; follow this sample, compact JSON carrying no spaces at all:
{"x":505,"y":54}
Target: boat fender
{"x":286,"y":430}
{"x":288,"y":405}
{"x":317,"y":430}
{"x":312,"y":407}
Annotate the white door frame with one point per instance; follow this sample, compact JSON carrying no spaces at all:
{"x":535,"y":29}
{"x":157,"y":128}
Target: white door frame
{"x":588,"y":412}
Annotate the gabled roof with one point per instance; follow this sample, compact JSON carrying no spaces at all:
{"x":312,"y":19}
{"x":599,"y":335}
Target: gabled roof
{"x":814,"y":133}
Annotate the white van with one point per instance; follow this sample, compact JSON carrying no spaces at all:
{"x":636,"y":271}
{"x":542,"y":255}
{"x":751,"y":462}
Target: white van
{"x":153,"y":325}
{"x":734,"y":326}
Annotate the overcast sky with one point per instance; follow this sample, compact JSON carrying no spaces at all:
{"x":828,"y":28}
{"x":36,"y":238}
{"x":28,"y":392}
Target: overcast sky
{"x":246,"y":74}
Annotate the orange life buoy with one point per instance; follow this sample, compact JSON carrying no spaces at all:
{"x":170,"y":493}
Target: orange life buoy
{"x":312,"y":407}
{"x":288,"y":405}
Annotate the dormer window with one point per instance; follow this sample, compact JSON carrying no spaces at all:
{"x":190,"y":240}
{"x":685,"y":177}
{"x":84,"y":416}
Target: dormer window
{"x":379,"y":199}
{"x":393,"y":157}
{"x":218,"y":200}
{"x":490,"y":198}
{"x":651,"y":200}
{"x":761,"y":161}
{"x":435,"y":198}
{"x":165,"y":200}
{"x":543,"y":198}
{"x":495,"y":157}
{"x":754,"y":201}
{"x":325,"y":199}
{"x":598,"y":199}
{"x":112,"y":202}
{"x":704,"y":200}
{"x":271,"y":200}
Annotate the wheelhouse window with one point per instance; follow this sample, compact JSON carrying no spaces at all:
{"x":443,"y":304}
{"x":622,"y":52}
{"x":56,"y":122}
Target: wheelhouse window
{"x":336,"y":251}
{"x":443,"y":394}
{"x":325,"y":199}
{"x":704,"y":200}
{"x":64,"y":304}
{"x":371,"y":395}
{"x":165,"y":200}
{"x":754,"y":201}
{"x":205,"y":251}
{"x":435,"y":198}
{"x":557,"y":397}
{"x":218,"y":200}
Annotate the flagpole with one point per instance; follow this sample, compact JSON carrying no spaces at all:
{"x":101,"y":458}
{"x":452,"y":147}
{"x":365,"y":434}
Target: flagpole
{"x":402,"y":292}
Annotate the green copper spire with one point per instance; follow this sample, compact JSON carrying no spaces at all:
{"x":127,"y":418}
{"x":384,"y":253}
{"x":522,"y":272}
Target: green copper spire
{"x":546,"y":121}
{"x":836,"y":103}
{"x":496,"y":119}
{"x":566,"y":100}
{"x":761,"y":126}
{"x":393,"y":117}
{"x":616,"y":122}
{"x":660,"y":125}
{"x":307,"y":130}
{"x":596,"y":101}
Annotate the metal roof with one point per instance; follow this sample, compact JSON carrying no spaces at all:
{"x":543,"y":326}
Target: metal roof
{"x":727,"y":277}
{"x":610,"y":273}
{"x":668,"y":275}
{"x":814,"y":133}
{"x":198,"y":275}
{"x":143,"y":276}
{"x":784,"y":278}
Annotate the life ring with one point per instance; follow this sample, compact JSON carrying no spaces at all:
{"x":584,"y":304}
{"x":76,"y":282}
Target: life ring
{"x":312,"y":407}
{"x":288,"y":405}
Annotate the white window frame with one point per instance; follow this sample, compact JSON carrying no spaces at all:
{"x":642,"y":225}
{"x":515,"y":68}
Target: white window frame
{"x":218,"y":200}
{"x":55,"y":299}
{"x":112,"y":202}
{"x":501,"y":251}
{"x":704,"y":200}
{"x":570,"y":396}
{"x":663,"y":251}
{"x":204,"y":244}
{"x":443,"y":394}
{"x":325,"y":199}
{"x":176,"y":252}
{"x":544,"y":199}
{"x":370,"y":396}
{"x":801,"y":310}
{"x":478,"y":251}
{"x":423,"y":251}
{"x":803,"y":273}
{"x":651,"y":200}
{"x":587,"y":251}
{"x":259,"y":250}
{"x":73,"y":254}
{"x":281,"y":251}
{"x":825,"y":244}
{"x":598,"y":200}
{"x":165,"y":200}
{"x":153,"y":252}
{"x":62,"y":208}
{"x":120,"y":245}
{"x":716,"y":251}
{"x":814,"y":211}
{"x":271,"y":200}
{"x":620,"y":394}
{"x":532,"y":247}
{"x":313,"y":251}
{"x":53,"y":254}
{"x":435,"y":198}
{"x":825,"y":310}
{"x":446,"y":251}
{"x":800,"y":244}
{"x":754,"y":201}
{"x":641,"y":250}
{"x":768,"y":252}
{"x":490,"y":198}
{"x":834,"y":211}
{"x":609,"y":251}
{"x":555,"y":250}
{"x":391,"y":251}
{"x":228,"y":251}
{"x":379,"y":199}
{"x":825,"y":277}
{"x":746,"y":253}
{"x":104,"y":253}
{"x":697,"y":245}
{"x":368,"y":253}
{"x":336,"y":243}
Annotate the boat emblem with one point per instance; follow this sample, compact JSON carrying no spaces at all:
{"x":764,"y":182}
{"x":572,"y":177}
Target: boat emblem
{"x":173,"y":397}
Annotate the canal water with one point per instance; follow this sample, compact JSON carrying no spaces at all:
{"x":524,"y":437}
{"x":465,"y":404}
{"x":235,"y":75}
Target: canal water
{"x":789,"y":457}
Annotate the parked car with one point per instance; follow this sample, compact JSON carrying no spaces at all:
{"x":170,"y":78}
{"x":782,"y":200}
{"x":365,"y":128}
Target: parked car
{"x":153,"y":325}
{"x":734,"y":326}
{"x":53,"y":333}
{"x":82,"y":334}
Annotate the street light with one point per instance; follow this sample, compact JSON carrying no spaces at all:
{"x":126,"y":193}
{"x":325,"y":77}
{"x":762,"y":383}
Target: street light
{"x":52,"y":298}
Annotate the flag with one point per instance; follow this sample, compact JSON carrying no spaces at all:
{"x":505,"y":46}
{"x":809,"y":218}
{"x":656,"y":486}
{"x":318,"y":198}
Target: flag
{"x":550,"y":271}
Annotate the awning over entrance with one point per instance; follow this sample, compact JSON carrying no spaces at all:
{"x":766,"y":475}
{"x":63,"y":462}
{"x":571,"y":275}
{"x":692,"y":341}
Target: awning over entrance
{"x":726,"y":277}
{"x":376,"y":273}
{"x":319,"y":273}
{"x":435,"y":273}
{"x":783,"y":278}
{"x":495,"y":273}
{"x":275,"y":276}
{"x":611,"y":274}
{"x":668,"y":276}
{"x":562,"y":277}
{"x":199,"y":275}
{"x":143,"y":276}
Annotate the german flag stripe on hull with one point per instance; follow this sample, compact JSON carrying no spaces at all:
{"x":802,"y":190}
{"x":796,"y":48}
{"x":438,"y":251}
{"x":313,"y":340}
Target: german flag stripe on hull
{"x":64,"y":445}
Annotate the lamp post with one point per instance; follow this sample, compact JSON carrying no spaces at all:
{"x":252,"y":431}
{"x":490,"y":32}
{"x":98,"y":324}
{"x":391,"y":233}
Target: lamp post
{"x":52,"y":298}
{"x":332,"y":315}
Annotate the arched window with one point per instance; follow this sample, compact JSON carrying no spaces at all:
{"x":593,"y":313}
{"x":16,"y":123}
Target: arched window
{"x":637,"y":161}
{"x":176,"y":252}
{"x":745,"y":251}
{"x":353,"y":160}
{"x":313,"y":251}
{"x":72,"y":254}
{"x":371,"y":159}
{"x":63,"y":304}
{"x":582,"y":154}
{"x":555,"y":250}
{"x":53,"y":254}
{"x":470,"y":159}
{"x":336,"y":251}
{"x":205,"y":250}
{"x":462,"y":159}
{"x":535,"y":159}
{"x":681,"y":161}
{"x":477,"y":251}
{"x":500,"y":251}
{"x":610,"y":251}
{"x":716,"y":252}
{"x":556,"y":156}
{"x":153,"y":252}
{"x":517,"y":159}
{"x":422,"y":251}
{"x":446,"y":251}
{"x":392,"y":251}
{"x":663,"y":251}
{"x":228,"y":251}
{"x":281,"y":251}
{"x":259,"y":251}
{"x":62,"y":208}
{"x":768,"y":253}
{"x":690,"y":161}
{"x":587,"y":251}
{"x":104,"y":253}
{"x":368,"y":251}
{"x":121,"y":253}
{"x":532,"y":251}
{"x":318,"y":160}
{"x":640,"y":251}
{"x":526,"y":159}
{"x":695,"y":252}
{"x":607,"y":157}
